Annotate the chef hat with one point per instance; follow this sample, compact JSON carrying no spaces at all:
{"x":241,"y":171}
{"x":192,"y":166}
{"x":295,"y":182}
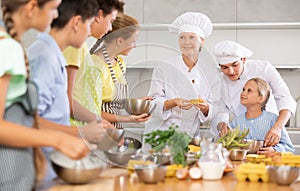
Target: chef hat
{"x":197,"y":23}
{"x":229,"y":51}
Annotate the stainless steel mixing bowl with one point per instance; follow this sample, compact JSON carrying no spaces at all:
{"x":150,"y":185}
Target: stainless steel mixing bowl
{"x":119,"y":158}
{"x":283,"y":175}
{"x":255,"y":145}
{"x":136,"y":106}
{"x":111,"y":139}
{"x":76,"y":171}
{"x":151,"y":174}
{"x":237,"y":154}
{"x":120,"y":155}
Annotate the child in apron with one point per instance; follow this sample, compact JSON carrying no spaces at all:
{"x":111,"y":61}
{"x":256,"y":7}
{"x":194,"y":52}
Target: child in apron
{"x":114,"y":89}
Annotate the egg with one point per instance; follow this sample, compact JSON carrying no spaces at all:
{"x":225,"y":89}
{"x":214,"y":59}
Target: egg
{"x":182,"y":173}
{"x":195,"y":173}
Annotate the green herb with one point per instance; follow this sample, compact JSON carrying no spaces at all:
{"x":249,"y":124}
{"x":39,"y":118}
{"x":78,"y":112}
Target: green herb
{"x":177,"y":141}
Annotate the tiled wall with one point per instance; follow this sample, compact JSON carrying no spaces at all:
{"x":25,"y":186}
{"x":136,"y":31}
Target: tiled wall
{"x":268,"y":43}
{"x":220,"y":11}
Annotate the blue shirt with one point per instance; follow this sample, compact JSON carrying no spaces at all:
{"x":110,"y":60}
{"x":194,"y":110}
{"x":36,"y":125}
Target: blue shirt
{"x":260,"y":126}
{"x":49,"y":72}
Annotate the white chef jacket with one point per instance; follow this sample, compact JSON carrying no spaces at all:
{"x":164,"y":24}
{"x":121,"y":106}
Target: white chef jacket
{"x":171,"y":79}
{"x":280,"y":97}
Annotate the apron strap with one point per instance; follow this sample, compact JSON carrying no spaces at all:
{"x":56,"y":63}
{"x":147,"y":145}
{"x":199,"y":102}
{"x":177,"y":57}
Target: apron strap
{"x":108,"y":62}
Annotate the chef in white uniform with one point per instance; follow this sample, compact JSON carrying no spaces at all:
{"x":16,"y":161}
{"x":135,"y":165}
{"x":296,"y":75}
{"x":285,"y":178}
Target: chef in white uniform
{"x":236,"y":71}
{"x":190,"y":75}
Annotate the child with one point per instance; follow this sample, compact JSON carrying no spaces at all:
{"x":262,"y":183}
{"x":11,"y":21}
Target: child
{"x":71,"y":28}
{"x":17,"y":170}
{"x":254,"y":97}
{"x":111,"y":68}
{"x":81,"y":57}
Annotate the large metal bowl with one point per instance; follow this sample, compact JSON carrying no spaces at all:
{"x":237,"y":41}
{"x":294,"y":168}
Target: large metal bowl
{"x":136,"y":106}
{"x":283,"y":175}
{"x":151,"y":174}
{"x":111,"y":139}
{"x":76,"y":171}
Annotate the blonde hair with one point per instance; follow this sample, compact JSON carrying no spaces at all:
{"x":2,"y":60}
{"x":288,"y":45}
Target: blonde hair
{"x":124,"y":26}
{"x":263,"y":89}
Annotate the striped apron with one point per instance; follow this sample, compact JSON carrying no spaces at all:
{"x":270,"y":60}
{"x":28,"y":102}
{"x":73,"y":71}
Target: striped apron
{"x":121,"y":90}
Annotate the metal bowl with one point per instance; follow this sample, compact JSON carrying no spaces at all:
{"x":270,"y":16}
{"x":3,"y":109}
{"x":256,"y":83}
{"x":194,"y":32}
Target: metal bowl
{"x":283,"y":175}
{"x":237,"y":154}
{"x":120,"y":155}
{"x":248,"y":142}
{"x":111,"y":139}
{"x":132,"y":143}
{"x":151,"y":174}
{"x":76,"y":171}
{"x":136,"y":106}
{"x":119,"y":158}
{"x":255,"y":145}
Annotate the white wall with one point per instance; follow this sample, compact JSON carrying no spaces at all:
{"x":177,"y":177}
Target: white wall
{"x":278,"y":43}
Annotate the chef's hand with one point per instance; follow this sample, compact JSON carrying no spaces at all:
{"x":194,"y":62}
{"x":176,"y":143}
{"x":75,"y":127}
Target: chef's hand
{"x":183,"y":103}
{"x":223,"y":129}
{"x":139,"y":118}
{"x":267,"y":151}
{"x":95,"y":130}
{"x":274,"y":134}
{"x":203,"y":107}
{"x":150,"y":98}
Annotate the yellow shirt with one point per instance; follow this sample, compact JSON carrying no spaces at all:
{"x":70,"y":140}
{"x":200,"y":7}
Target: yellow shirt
{"x":87,"y":87}
{"x":108,"y":86}
{"x":75,"y":56}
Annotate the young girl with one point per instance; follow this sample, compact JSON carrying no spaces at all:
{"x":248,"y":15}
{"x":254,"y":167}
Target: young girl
{"x":16,"y":141}
{"x":254,"y":97}
{"x":111,"y":68}
{"x":81,"y":57}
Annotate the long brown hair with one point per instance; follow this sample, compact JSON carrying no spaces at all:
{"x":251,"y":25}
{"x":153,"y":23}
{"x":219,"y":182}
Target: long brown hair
{"x":9,"y":7}
{"x":124,"y":26}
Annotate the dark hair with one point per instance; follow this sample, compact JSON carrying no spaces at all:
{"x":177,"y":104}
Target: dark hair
{"x":107,"y":6}
{"x":263,"y":89}
{"x":69,"y":8}
{"x":124,"y":26}
{"x":9,"y":7}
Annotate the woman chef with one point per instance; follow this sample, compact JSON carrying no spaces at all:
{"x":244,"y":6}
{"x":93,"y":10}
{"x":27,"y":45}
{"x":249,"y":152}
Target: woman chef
{"x":180,"y":85}
{"x":237,"y":70}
